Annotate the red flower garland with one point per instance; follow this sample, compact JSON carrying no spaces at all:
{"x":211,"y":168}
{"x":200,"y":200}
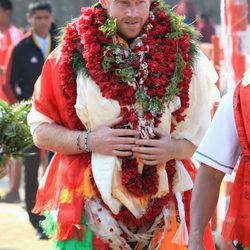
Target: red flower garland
{"x":67,"y":74}
{"x":136,"y":183}
{"x":161,"y":59}
{"x":154,"y":209}
{"x":155,"y":206}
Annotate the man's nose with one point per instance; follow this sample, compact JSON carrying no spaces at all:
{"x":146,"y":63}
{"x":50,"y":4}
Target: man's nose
{"x":132,"y":10}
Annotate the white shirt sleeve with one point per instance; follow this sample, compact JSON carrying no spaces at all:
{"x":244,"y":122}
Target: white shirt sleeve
{"x":202,"y":88}
{"x":220,"y":147}
{"x":35,"y":119}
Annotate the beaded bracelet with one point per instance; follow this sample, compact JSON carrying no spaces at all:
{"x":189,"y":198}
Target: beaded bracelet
{"x":86,"y":147}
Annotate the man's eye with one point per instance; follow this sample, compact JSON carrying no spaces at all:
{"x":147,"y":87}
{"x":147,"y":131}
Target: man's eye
{"x":122,"y":1}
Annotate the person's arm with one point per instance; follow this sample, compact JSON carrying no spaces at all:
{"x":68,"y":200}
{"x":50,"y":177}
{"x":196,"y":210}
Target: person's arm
{"x":104,"y":140}
{"x":153,"y":152}
{"x":204,"y":199}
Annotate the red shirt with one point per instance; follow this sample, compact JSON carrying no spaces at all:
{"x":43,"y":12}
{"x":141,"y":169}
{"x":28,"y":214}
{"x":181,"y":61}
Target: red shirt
{"x":11,"y":36}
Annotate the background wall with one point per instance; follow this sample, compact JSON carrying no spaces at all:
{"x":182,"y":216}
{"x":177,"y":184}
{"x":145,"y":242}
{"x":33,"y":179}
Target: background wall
{"x":67,"y":9}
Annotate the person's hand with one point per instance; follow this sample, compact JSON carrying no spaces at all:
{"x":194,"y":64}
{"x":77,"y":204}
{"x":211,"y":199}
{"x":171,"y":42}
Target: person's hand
{"x":155,"y":151}
{"x":109,"y":141}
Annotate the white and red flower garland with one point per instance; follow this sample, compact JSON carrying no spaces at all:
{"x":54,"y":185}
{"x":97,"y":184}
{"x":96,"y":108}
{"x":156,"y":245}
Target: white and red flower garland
{"x":160,"y":63}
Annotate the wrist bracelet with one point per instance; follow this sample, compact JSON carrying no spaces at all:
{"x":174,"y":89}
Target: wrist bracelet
{"x":78,"y":142}
{"x":86,"y":147}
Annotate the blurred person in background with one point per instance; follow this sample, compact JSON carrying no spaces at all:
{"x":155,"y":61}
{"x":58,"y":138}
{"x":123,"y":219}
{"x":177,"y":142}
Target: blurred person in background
{"x":9,"y":35}
{"x":188,"y":9}
{"x":25,"y":66}
{"x":206,"y":28}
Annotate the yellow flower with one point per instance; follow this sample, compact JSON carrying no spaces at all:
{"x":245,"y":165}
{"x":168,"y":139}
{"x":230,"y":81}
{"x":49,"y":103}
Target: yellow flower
{"x":65,"y":196}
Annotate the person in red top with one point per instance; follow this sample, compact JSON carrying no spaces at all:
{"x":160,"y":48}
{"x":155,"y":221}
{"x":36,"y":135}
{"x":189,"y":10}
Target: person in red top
{"x":226,"y":141}
{"x":9,"y":35}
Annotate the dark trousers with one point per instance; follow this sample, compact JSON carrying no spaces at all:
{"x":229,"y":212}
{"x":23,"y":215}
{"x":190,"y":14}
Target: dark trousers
{"x":31,"y":184}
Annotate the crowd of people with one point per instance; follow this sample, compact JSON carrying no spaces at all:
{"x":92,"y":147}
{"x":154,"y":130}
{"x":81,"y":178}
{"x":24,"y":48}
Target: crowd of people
{"x":124,"y":108}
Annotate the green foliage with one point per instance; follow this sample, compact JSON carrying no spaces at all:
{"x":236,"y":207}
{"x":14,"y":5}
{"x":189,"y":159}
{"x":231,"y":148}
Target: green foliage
{"x":15,"y":135}
{"x":109,"y":28}
{"x":145,"y":103}
{"x":156,"y":105}
{"x":107,"y":61}
{"x":173,"y":89}
{"x":126,"y":74}
{"x":78,"y":63}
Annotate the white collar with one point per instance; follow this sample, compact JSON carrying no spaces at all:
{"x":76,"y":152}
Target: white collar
{"x":40,"y":39}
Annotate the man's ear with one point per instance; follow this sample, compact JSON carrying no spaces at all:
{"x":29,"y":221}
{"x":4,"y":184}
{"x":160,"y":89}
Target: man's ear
{"x":104,"y":3}
{"x":28,"y":17}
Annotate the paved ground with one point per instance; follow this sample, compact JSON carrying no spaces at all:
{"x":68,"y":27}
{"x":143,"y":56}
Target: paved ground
{"x":16,"y":233}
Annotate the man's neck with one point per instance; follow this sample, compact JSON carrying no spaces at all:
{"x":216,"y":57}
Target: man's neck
{"x":4,"y":27}
{"x":42,"y":35}
{"x":127,"y":40}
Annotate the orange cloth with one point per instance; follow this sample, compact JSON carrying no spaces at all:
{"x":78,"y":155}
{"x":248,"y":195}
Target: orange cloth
{"x":237,"y":222}
{"x":11,"y":36}
{"x":167,"y":243}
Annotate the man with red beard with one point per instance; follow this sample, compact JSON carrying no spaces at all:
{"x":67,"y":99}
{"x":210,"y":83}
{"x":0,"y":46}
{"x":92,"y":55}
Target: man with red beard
{"x":124,"y":103}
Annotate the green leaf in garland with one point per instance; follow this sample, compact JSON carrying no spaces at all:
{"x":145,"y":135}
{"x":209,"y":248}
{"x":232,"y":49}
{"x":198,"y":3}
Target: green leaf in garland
{"x":172,"y":91}
{"x":156,"y":105}
{"x":109,"y":28}
{"x":142,"y":101}
{"x":180,"y":63}
{"x":126,"y":74}
{"x":173,"y":88}
{"x":107,"y":61}
{"x":78,"y":63}
{"x":140,"y":94}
